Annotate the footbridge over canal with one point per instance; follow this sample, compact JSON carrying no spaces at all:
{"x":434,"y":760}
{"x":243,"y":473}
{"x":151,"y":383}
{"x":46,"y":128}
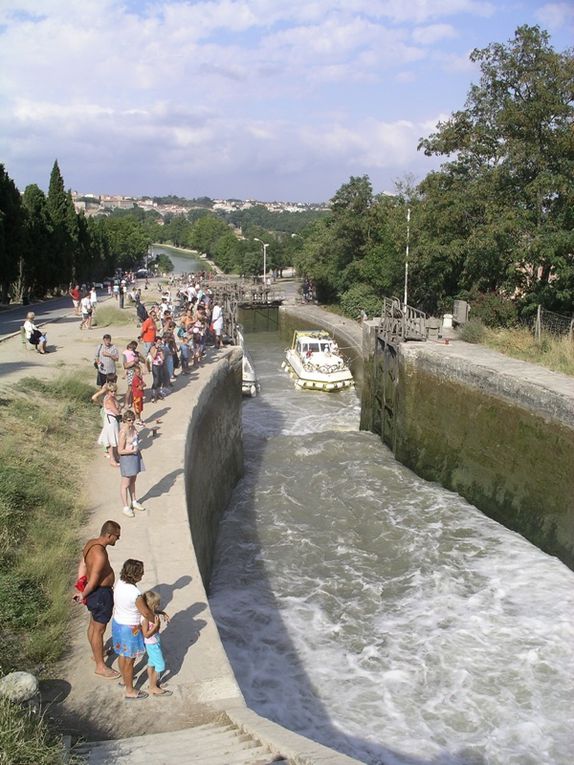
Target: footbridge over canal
{"x":259,"y":299}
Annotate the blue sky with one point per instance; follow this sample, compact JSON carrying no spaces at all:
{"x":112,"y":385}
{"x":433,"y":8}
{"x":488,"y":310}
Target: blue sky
{"x":268,"y":99}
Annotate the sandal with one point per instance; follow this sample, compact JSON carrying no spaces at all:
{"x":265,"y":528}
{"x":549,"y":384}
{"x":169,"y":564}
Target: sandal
{"x":164,"y":692}
{"x":140,"y":697}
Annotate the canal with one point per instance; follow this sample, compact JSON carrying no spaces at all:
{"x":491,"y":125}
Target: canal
{"x":377,"y":613}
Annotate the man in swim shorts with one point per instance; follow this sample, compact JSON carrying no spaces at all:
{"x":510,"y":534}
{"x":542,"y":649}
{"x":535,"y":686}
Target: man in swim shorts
{"x":98,"y":593}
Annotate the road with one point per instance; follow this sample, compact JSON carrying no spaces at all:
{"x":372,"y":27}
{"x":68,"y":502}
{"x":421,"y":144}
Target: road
{"x":49,"y":310}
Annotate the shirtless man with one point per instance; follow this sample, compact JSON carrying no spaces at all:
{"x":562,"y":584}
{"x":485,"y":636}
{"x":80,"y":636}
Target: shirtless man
{"x":98,"y":593}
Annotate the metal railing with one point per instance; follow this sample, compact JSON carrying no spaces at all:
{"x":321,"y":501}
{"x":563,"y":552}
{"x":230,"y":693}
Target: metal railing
{"x":401,"y":322}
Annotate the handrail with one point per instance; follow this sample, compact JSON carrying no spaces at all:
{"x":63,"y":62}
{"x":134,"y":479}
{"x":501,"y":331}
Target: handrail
{"x":401,"y":322}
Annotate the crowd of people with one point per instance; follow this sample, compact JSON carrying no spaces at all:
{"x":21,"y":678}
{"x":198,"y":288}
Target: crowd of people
{"x":173,"y":336}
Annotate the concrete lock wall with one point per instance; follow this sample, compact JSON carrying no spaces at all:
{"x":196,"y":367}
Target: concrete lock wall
{"x":498,"y":444}
{"x":500,"y":441}
{"x":213,"y":457}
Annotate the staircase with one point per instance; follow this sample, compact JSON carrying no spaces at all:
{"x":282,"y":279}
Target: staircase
{"x":215,"y":743}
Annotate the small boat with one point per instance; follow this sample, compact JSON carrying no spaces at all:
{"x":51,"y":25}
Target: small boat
{"x":249,"y":383}
{"x":314,"y":362}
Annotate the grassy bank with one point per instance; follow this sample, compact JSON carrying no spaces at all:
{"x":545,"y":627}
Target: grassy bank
{"x":107,"y":315}
{"x":47,"y":429}
{"x":552,"y":352}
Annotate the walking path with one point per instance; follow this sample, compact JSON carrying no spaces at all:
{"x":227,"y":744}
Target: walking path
{"x":207,"y":707}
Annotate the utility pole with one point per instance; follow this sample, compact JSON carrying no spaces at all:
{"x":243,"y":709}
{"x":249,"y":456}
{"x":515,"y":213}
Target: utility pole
{"x":407,"y":257}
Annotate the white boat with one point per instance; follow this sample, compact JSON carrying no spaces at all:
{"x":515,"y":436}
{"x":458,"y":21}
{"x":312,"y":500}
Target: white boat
{"x":249,"y":383}
{"x":314,"y":362}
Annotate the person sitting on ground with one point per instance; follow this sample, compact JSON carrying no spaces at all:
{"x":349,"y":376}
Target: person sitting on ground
{"x":33,"y":335}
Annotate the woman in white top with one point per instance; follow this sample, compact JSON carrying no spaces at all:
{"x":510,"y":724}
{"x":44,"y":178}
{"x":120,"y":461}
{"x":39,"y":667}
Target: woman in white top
{"x":33,"y":335}
{"x":127,"y":635}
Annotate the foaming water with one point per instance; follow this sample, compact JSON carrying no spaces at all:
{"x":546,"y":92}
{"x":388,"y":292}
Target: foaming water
{"x":378,"y":613}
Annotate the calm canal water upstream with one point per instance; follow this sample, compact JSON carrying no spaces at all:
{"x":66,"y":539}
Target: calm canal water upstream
{"x":380,"y":614}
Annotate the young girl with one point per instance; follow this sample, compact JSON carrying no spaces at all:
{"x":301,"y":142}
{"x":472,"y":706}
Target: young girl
{"x":156,"y":360}
{"x":131,"y":464}
{"x":155,"y":660}
{"x":111,"y":412}
{"x":138,"y":388}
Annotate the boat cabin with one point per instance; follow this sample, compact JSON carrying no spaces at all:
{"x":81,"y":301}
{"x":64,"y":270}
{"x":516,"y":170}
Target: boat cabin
{"x":314,"y":342}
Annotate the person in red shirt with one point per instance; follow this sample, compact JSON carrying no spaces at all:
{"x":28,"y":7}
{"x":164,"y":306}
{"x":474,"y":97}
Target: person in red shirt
{"x":76,"y":295}
{"x":148,"y":334}
{"x":138,"y":388}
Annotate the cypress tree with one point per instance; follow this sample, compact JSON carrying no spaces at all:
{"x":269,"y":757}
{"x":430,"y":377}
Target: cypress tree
{"x":12,"y":235}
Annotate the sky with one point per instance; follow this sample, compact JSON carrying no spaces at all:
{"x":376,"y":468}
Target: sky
{"x":262,"y":99}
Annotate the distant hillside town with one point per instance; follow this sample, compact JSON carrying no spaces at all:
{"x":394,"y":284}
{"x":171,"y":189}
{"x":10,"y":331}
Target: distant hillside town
{"x":93,"y":204}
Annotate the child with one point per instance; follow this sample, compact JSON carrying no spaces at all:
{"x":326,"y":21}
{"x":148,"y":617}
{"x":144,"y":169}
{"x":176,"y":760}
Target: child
{"x":184,"y":353}
{"x":138,"y":389}
{"x":155,"y":660}
{"x":196,"y":340}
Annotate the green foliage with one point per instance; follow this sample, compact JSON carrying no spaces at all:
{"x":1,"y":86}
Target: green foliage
{"x":473,"y":331}
{"x":285,"y":222}
{"x":27,"y":739}
{"x":499,"y":216}
{"x":493,"y":310}
{"x":163,"y":263}
{"x":361,"y":297}
{"x":12,"y":233}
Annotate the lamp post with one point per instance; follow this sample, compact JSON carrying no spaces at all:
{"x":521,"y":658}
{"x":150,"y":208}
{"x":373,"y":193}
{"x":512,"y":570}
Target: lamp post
{"x":265,"y":246}
{"x":407,"y":256}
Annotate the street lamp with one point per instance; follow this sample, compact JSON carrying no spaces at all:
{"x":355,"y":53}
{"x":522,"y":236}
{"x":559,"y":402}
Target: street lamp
{"x":265,"y":246}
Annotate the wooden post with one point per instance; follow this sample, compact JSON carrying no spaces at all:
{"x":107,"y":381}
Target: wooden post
{"x":538,"y":325}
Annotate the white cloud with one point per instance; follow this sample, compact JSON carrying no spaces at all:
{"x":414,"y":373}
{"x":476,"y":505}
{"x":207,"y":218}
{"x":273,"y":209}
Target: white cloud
{"x":556,"y":15}
{"x":433,"y":33}
{"x":203,"y":90}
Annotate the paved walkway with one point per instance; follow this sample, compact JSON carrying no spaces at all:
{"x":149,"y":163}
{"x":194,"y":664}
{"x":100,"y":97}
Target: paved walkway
{"x":205,"y":691}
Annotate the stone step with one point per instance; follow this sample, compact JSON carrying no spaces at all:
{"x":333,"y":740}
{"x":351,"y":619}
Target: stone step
{"x":219,"y":743}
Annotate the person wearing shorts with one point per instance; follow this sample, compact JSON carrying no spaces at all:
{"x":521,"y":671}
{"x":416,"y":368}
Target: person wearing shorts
{"x":100,"y":604}
{"x":98,"y":579}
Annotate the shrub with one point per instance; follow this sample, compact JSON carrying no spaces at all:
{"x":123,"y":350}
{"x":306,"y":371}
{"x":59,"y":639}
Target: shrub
{"x":472,"y":332}
{"x":360,"y":296}
{"x":494,"y":310}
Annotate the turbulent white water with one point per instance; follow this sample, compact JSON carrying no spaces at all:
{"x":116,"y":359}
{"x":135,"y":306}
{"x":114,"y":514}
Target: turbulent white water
{"x":378,"y":613}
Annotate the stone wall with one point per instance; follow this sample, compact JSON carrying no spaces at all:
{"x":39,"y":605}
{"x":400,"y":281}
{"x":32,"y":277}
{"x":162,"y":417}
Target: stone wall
{"x":504,"y":445}
{"x":213,"y":457}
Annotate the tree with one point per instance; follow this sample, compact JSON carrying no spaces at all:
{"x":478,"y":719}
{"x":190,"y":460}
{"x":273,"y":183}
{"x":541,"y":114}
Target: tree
{"x":513,"y":171}
{"x":39,"y":248}
{"x":205,"y":232}
{"x":12,"y":234}
{"x":64,"y":235}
